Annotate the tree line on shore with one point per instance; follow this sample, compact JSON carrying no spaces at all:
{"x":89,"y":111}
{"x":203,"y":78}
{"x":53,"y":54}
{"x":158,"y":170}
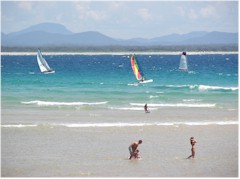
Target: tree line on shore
{"x":159,"y":48}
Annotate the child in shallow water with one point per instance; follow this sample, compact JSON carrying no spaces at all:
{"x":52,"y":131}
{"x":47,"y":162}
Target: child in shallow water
{"x":136,"y":155}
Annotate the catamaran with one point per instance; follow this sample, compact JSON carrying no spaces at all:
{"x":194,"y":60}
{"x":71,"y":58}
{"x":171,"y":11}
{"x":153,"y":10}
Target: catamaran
{"x":137,"y":71}
{"x":44,"y":67}
{"x":183,"y":62}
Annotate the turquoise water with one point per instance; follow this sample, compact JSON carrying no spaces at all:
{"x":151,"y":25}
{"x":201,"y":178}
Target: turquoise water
{"x":80,"y":120}
{"x":107,"y":81}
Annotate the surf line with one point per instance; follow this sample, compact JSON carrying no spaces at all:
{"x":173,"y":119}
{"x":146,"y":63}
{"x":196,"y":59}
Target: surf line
{"x":52,"y":103}
{"x":89,"y":125}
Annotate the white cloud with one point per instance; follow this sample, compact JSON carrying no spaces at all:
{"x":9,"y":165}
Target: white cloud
{"x":182,"y":11}
{"x":26,"y":5}
{"x":84,"y":11}
{"x":192,"y":14}
{"x":59,"y":17}
{"x":97,"y":15}
{"x":144,"y":14}
{"x":115,"y":4}
{"x":198,"y":13}
{"x":208,"y":11}
{"x":112,"y":17}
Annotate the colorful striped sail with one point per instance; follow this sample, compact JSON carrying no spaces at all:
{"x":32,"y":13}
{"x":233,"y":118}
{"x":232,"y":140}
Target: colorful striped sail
{"x":136,"y":69}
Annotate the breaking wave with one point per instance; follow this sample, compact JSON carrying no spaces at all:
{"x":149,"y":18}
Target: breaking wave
{"x":19,"y":125}
{"x":51,"y":103}
{"x":198,"y":87}
{"x":204,"y":87}
{"x":89,"y":125}
{"x":193,"y":105}
{"x":131,"y":108}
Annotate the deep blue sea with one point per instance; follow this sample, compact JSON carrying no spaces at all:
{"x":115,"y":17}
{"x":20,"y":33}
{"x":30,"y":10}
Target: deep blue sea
{"x":106,"y":82}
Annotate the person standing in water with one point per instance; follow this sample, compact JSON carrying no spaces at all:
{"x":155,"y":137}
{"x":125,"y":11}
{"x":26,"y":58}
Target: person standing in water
{"x":146,"y":109}
{"x":133,"y":147}
{"x":192,"y":142}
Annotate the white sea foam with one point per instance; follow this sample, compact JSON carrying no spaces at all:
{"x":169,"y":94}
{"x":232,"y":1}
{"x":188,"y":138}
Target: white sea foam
{"x":133,"y":84}
{"x":205,"y":87}
{"x":193,"y":105}
{"x":131,"y":108}
{"x":107,"y":125}
{"x":19,"y":125}
{"x":127,"y":108}
{"x":191,"y":100}
{"x":51,"y":103}
{"x":211,"y":123}
{"x":152,"y":96}
{"x":191,"y":72}
{"x":122,"y":124}
{"x":177,"y":86}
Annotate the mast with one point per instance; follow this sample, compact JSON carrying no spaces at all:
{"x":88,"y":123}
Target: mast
{"x":44,"y":67}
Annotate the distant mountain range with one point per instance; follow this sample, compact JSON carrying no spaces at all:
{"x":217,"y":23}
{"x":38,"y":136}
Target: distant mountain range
{"x":51,"y":34}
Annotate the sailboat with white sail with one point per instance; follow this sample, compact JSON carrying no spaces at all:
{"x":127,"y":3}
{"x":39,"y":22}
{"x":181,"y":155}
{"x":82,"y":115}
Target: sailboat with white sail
{"x":43,"y":65}
{"x":137,"y":71}
{"x":183,"y":62}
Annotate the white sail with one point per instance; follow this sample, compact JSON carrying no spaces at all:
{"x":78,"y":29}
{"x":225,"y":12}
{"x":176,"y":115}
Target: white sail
{"x":44,"y":67}
{"x":183,"y":62}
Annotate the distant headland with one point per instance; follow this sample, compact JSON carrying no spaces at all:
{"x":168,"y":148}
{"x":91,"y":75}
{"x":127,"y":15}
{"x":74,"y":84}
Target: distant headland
{"x":51,"y":37}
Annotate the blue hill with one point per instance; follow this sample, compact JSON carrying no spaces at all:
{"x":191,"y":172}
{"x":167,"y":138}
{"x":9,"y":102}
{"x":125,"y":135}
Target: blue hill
{"x":44,"y":27}
{"x":51,"y":34}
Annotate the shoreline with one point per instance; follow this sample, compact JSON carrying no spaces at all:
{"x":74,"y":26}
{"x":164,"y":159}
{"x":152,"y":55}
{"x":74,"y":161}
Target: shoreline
{"x":123,"y":53}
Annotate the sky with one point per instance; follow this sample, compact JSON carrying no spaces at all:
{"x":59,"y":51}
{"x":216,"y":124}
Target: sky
{"x":123,"y":19}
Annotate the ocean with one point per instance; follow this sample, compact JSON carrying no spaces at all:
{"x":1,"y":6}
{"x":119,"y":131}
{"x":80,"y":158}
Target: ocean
{"x":99,"y":96}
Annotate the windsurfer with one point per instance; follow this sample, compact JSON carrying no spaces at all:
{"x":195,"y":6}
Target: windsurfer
{"x":133,"y":147}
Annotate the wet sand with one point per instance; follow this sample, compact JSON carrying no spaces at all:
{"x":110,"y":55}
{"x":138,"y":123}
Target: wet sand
{"x":47,"y":151}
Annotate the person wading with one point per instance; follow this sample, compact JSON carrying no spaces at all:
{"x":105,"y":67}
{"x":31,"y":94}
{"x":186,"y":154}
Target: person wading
{"x":133,"y":147}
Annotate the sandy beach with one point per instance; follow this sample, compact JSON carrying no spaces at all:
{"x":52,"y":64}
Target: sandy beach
{"x":120,"y":53}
